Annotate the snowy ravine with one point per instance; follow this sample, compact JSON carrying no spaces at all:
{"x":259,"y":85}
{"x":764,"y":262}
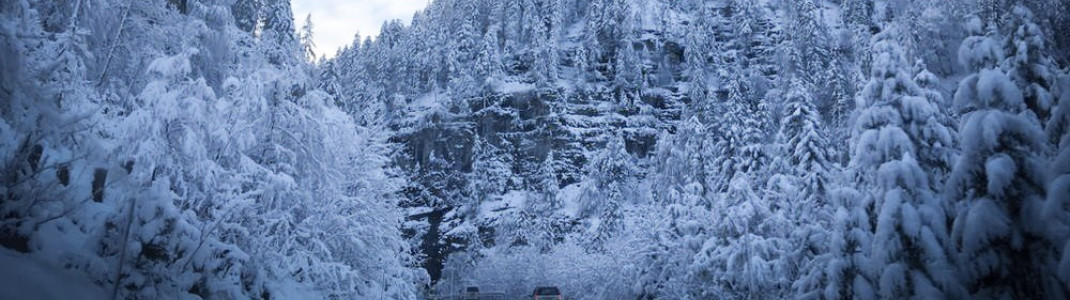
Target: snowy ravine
{"x":616,"y":149}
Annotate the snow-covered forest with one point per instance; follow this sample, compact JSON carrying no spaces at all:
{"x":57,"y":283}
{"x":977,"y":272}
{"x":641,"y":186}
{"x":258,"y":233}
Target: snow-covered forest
{"x":617,"y":149}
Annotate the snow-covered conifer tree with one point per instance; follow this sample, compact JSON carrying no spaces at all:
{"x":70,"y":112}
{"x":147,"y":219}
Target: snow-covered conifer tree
{"x":279,"y":38}
{"x":750,"y":260}
{"x":247,"y":14}
{"x":894,"y":122}
{"x":1057,"y":207}
{"x":1028,"y":63}
{"x":606,"y":190}
{"x":808,"y":148}
{"x":999,"y":181}
{"x":933,"y":130}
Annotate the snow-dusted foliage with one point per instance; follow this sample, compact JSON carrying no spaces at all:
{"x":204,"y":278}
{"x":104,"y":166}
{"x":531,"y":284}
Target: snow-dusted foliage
{"x":764,"y":148}
{"x":808,"y":149}
{"x":1028,"y":63}
{"x":910,"y":254}
{"x":611,"y":186}
{"x":932,"y":127}
{"x":745,"y":253}
{"x":838,"y":270}
{"x":207,"y":169}
{"x":616,"y":149}
{"x":1057,"y":209}
{"x":1003,"y":243}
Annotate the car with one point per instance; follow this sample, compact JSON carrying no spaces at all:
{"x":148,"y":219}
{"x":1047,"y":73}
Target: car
{"x":546,"y":293}
{"x":471,"y":293}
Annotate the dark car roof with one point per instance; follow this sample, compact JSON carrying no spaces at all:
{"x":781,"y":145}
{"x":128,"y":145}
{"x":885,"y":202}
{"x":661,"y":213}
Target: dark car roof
{"x":472,"y":289}
{"x":547,"y":291}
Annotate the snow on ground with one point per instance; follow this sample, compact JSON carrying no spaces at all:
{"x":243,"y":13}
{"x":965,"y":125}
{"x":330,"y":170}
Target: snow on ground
{"x":428,"y":102}
{"x":493,"y":209}
{"x":570,"y":199}
{"x":511,"y":87}
{"x":23,"y":277}
{"x":293,"y":290}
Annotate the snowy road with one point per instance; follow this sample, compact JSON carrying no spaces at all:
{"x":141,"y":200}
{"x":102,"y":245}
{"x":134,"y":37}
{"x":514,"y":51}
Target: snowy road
{"x":22,"y":277}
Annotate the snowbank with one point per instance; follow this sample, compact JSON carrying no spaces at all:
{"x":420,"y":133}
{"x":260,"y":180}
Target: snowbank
{"x":23,"y":277}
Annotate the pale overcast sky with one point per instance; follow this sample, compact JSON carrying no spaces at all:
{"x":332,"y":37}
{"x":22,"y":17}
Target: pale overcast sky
{"x":335,"y":22}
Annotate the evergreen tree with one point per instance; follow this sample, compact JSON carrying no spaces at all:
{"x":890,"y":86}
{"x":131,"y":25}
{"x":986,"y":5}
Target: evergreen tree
{"x":489,"y":57}
{"x":308,"y":46}
{"x":740,"y":140}
{"x":841,"y":272}
{"x":999,"y":179}
{"x":491,"y":174}
{"x":683,"y":211}
{"x":808,"y":168}
{"x":750,"y":245}
{"x":1056,"y":208}
{"x":696,"y":61}
{"x":550,"y":225}
{"x":1028,"y":63}
{"x":278,"y":38}
{"x":910,"y":220}
{"x":807,"y":146}
{"x":461,"y":53}
{"x":752,"y":156}
{"x":681,"y":160}
{"x":247,"y":14}
{"x":606,"y":190}
{"x":809,"y":48}
{"x":932,"y":129}
{"x":858,"y":12}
